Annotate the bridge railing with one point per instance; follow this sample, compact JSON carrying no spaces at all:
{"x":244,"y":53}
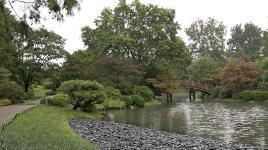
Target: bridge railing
{"x":195,"y":85}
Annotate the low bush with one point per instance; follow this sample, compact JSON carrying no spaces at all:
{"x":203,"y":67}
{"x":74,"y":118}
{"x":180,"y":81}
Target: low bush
{"x":59,"y":100}
{"x":12,"y":91}
{"x":216,"y":92}
{"x":127,"y":99}
{"x":251,"y":95}
{"x":28,"y":95}
{"x":138,"y":100}
{"x":113,"y":104}
{"x":112,"y":93}
{"x":51,"y":92}
{"x":144,"y":92}
{"x":225,"y":93}
{"x":5,"y":102}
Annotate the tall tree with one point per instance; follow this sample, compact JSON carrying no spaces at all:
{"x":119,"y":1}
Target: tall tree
{"x":135,"y":30}
{"x":246,"y":42}
{"x":207,"y":39}
{"x":32,"y":9}
{"x":37,"y":51}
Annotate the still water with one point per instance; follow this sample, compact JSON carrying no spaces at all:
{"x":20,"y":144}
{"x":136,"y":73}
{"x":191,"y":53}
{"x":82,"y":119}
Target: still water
{"x":229,"y":121}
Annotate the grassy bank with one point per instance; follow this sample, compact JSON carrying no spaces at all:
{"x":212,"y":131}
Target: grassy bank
{"x":152,"y":103}
{"x":45,"y":128}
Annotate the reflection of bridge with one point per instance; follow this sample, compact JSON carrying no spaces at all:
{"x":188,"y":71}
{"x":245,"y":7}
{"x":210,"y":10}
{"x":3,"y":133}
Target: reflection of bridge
{"x":196,"y":86}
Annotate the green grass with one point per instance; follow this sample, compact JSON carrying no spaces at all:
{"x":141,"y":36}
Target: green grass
{"x":45,"y":128}
{"x":153,"y":103}
{"x":39,"y":92}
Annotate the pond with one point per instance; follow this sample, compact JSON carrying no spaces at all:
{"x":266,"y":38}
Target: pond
{"x":229,"y":121}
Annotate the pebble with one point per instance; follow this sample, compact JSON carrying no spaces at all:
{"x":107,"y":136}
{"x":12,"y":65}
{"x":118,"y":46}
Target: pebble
{"x":114,"y":136}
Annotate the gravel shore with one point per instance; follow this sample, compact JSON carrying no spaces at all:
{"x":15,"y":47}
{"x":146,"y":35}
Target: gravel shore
{"x":111,"y":136}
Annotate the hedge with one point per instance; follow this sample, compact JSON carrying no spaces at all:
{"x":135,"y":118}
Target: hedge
{"x":248,"y":95}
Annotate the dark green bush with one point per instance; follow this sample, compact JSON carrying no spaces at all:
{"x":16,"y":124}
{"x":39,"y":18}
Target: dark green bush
{"x":28,"y":95}
{"x":144,"y":92}
{"x":59,"y":100}
{"x":138,"y":100}
{"x":84,"y":93}
{"x":216,"y":92}
{"x":225,"y":93}
{"x":5,"y":102}
{"x":252,"y":95}
{"x":112,"y":93}
{"x":12,"y":91}
{"x":127,"y":99}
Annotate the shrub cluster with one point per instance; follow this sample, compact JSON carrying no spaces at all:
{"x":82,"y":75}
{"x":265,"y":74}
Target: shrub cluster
{"x":59,"y":100}
{"x":144,"y":92}
{"x":5,"y":102}
{"x":138,"y":100}
{"x":248,"y":95}
{"x":128,"y":100}
{"x":12,"y":91}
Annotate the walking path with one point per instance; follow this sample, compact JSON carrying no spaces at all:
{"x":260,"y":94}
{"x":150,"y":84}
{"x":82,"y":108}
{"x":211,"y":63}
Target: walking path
{"x":8,"y":112}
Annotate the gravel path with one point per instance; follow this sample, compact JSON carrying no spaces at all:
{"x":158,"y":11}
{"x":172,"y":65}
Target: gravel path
{"x":109,"y":135}
{"x":8,"y":112}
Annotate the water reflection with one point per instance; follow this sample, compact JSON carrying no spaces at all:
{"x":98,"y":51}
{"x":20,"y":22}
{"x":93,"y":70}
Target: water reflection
{"x":228,"y":121}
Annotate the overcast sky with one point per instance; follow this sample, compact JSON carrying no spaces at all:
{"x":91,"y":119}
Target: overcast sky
{"x":230,"y":12}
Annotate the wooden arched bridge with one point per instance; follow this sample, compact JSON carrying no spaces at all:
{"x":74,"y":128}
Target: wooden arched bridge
{"x":196,"y":86}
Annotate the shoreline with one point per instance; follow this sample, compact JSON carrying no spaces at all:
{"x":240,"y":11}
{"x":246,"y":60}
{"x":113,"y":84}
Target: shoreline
{"x":110,"y":135}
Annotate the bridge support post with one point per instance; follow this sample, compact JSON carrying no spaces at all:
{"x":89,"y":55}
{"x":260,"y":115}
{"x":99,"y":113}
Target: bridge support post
{"x":190,"y":95}
{"x":194,"y":95}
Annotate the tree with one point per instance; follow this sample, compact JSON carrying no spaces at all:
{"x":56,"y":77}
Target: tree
{"x":246,"y":42}
{"x":4,"y":75}
{"x":37,"y":51}
{"x":203,"y":69}
{"x":84,"y":93}
{"x":119,"y":73}
{"x":135,"y":31}
{"x":238,"y":75}
{"x":265,"y":44}
{"x":75,"y":65}
{"x":207,"y":39}
{"x":33,"y":9}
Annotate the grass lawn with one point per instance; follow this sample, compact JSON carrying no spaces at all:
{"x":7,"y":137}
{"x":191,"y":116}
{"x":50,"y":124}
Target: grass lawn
{"x":45,"y":128}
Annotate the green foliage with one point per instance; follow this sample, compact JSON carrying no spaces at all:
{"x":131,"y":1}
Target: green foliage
{"x":113,"y":104}
{"x":248,"y":95}
{"x":50,"y":92}
{"x":138,"y":100}
{"x":122,"y":74}
{"x":246,"y":42}
{"x":46,"y":128}
{"x":216,"y":91}
{"x":201,"y":68}
{"x":84,"y":93}
{"x":224,"y":93}
{"x":128,"y":100}
{"x":29,"y":95}
{"x":112,"y":93}
{"x":5,"y":102}
{"x":12,"y":91}
{"x":59,"y":100}
{"x":4,"y":75}
{"x":37,"y":52}
{"x":144,"y":92}
{"x":207,"y":39}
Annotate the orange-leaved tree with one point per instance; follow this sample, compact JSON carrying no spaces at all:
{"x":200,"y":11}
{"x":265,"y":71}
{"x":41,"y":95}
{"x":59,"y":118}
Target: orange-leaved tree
{"x":238,"y":75}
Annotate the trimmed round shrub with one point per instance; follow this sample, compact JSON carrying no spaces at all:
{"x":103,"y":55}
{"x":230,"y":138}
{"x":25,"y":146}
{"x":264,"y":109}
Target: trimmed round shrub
{"x":5,"y":102}
{"x":84,"y":93}
{"x":28,"y":95}
{"x":144,"y":92}
{"x":127,"y":99}
{"x":138,"y":100}
{"x":12,"y":91}
{"x":59,"y":100}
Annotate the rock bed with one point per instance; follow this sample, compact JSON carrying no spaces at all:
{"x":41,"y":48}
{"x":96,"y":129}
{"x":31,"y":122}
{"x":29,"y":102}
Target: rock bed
{"x":111,"y":136}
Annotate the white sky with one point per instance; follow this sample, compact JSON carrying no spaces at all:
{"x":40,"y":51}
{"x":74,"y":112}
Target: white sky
{"x":230,"y":12}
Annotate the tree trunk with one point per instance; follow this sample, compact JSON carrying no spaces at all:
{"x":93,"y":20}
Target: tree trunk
{"x":26,"y":87}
